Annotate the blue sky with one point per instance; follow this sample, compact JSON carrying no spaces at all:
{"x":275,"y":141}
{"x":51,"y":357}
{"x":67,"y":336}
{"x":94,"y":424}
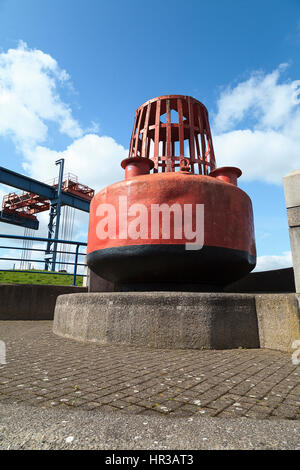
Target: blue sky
{"x":83,"y":67}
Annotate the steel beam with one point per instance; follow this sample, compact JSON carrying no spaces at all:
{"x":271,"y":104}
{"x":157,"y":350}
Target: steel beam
{"x":16,"y":180}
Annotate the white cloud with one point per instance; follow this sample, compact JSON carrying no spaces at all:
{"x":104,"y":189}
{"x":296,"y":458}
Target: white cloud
{"x":30,"y":100}
{"x":94,"y":159}
{"x":29,"y":97}
{"x":257,"y":126}
{"x":261,"y":155}
{"x":268,"y":262}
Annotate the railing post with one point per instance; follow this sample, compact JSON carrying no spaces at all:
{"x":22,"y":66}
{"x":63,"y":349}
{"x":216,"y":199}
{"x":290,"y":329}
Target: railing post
{"x":75,"y":265}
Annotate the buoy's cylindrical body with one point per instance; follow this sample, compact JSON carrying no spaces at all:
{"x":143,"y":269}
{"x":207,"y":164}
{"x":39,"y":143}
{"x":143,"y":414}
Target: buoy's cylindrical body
{"x":228,"y":251}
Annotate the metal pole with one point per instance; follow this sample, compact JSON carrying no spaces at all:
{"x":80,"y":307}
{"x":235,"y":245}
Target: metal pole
{"x":50,"y":233}
{"x":39,"y":239}
{"x":61,"y":163}
{"x":75,"y":265}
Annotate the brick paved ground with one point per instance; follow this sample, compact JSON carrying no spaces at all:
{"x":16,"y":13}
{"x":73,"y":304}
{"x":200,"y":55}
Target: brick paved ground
{"x":48,"y":371}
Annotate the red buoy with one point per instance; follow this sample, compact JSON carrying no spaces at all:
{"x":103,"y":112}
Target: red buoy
{"x":176,"y":220}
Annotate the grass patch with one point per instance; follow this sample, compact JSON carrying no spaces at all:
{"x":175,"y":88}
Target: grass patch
{"x":21,"y":277}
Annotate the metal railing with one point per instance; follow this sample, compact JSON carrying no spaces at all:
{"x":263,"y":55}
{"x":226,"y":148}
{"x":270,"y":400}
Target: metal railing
{"x":76,"y":254}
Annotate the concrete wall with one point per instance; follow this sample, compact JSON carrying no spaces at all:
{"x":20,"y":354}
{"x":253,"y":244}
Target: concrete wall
{"x":278,"y":320}
{"x":277,"y":280}
{"x":31,"y":302}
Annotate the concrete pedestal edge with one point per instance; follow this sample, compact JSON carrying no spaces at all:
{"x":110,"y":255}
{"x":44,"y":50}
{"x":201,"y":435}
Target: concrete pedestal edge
{"x":170,"y":320}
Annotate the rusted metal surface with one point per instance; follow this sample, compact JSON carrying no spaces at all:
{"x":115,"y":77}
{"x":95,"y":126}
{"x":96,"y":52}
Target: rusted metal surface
{"x":169,"y":128}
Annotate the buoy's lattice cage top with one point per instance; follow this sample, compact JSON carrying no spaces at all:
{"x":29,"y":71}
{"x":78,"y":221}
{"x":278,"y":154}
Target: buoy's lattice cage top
{"x":172,"y":127}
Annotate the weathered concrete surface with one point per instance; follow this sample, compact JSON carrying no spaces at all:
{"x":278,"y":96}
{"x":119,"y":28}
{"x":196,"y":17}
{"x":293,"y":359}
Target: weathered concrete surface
{"x":160,"y":319}
{"x":181,"y":320}
{"x":278,"y":320}
{"x":294,"y":233}
{"x":31,"y":302}
{"x":27,"y":427}
{"x":293,"y":214}
{"x":291,"y":184}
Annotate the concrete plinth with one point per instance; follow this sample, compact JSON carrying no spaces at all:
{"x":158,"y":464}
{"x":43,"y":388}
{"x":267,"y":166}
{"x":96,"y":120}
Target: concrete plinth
{"x":160,"y":319}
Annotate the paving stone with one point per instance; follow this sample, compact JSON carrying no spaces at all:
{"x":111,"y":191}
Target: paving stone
{"x":47,"y":371}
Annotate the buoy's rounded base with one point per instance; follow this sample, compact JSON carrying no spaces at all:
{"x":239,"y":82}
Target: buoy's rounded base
{"x":164,"y":264}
